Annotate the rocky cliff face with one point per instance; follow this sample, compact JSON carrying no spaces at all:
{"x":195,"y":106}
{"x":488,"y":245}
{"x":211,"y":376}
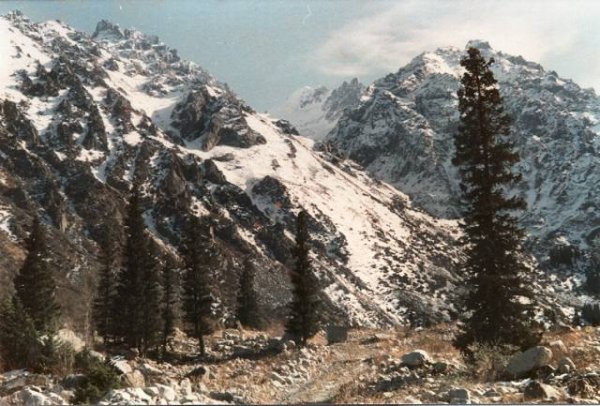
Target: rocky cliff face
{"x":402,"y":133}
{"x":81,"y":116}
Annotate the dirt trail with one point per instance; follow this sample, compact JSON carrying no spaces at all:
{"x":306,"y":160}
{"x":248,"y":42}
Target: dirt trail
{"x":343,"y":365}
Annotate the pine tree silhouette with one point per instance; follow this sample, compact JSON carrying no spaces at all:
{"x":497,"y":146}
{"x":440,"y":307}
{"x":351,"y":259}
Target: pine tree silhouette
{"x":170,"y":301}
{"x":35,"y":287}
{"x":247,"y":306}
{"x":304,"y":308}
{"x":498,"y":307}
{"x":138,"y":291}
{"x":201,"y":258}
{"x":19,"y":340}
{"x":104,"y":310}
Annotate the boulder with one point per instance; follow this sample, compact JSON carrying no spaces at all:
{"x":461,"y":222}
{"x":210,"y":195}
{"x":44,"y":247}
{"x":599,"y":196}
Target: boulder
{"x":459,"y":396}
{"x":528,"y":361}
{"x":198,"y":373}
{"x":134,"y":379}
{"x":17,"y":380}
{"x":545,"y":372}
{"x":149,"y":370}
{"x":131,"y":396}
{"x":440,"y":367}
{"x":566,"y":365}
{"x":492,"y":393}
{"x":558,"y":346}
{"x":222,"y":396}
{"x":185,"y":387}
{"x":31,"y":397}
{"x":416,"y":358}
{"x":336,"y":334}
{"x":537,"y":390}
{"x":121,"y":365}
{"x":167,"y":393}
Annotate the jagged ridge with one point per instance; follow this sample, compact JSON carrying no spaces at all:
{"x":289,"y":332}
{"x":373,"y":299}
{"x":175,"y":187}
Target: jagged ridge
{"x":402,"y":133}
{"x":82,"y":116}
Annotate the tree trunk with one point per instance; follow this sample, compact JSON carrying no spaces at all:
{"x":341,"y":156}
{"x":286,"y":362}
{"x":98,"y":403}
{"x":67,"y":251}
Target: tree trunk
{"x":201,"y":345}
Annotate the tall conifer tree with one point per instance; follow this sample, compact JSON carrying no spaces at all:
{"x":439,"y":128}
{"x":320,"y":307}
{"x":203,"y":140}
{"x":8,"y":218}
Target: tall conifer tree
{"x":170,"y":300}
{"x":151,"y":288}
{"x":138,"y":291}
{"x":201,"y":258}
{"x":304,"y":308}
{"x":35,"y":287}
{"x":500,"y":300}
{"x":19,"y":341}
{"x":104,"y":309}
{"x":247,"y":306}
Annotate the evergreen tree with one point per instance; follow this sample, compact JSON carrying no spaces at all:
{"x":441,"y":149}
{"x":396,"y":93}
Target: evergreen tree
{"x":304,"y":308}
{"x":592,"y":282}
{"x":499,"y":304}
{"x":128,"y":299}
{"x":19,"y":340}
{"x":103,"y":308}
{"x":138,"y":290}
{"x":34,"y":283}
{"x":247,"y":306}
{"x":170,"y":299}
{"x":200,"y":256}
{"x":152,"y":325}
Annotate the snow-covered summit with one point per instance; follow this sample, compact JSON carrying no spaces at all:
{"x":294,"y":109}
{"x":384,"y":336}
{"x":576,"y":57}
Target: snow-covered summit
{"x":402,"y":132}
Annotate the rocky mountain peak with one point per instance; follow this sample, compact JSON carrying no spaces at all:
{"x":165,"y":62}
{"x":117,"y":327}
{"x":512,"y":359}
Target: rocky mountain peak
{"x":107,"y":28}
{"x":83,"y":116}
{"x":479,"y":44}
{"x":402,"y":132}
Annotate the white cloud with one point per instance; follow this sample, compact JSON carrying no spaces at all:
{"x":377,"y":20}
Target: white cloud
{"x":562,"y":35}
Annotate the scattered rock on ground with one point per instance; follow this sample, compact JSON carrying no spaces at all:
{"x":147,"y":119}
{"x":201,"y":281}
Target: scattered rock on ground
{"x":525,"y":362}
{"x":122,"y":365}
{"x":134,"y":379}
{"x":459,"y":396}
{"x":558,"y":346}
{"x":537,"y":390}
{"x":416,"y":358}
{"x":566,"y":365}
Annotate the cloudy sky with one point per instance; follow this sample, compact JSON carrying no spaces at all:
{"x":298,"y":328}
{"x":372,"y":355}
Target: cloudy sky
{"x":266,"y":49}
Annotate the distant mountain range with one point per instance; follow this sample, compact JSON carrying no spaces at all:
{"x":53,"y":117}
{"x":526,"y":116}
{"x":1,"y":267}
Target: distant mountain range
{"x":315,"y":111}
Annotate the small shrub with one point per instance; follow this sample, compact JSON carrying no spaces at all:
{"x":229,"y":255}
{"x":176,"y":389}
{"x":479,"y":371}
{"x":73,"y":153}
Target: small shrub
{"x":591,"y":313}
{"x":55,"y":358}
{"x":487,"y":362}
{"x":100,"y":377}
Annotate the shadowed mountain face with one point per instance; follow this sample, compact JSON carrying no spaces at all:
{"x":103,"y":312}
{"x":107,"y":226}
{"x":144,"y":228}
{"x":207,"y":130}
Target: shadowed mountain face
{"x":82,"y":116}
{"x":402,"y":132}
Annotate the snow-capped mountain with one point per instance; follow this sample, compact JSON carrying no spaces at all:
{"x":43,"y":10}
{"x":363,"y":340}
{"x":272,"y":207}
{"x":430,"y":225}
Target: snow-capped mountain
{"x":315,"y":111}
{"x":82,"y":116}
{"x":402,"y":133}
